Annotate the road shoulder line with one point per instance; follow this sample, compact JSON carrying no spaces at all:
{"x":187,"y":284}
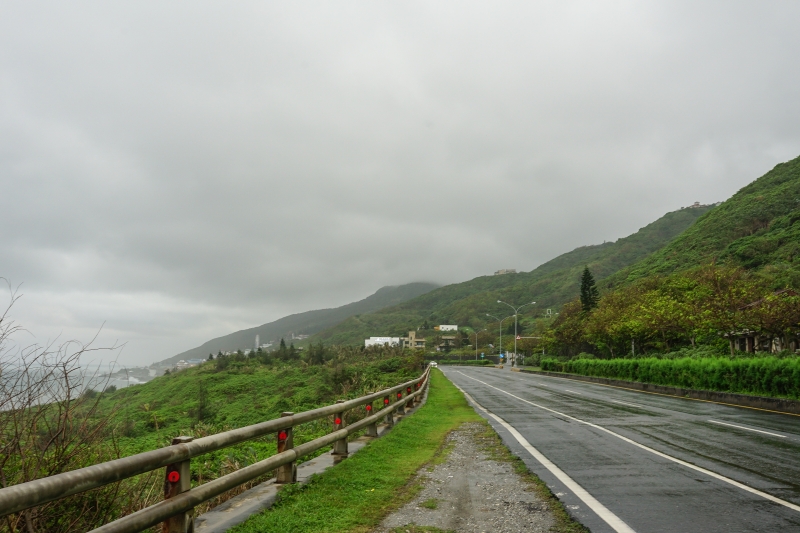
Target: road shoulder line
{"x":616,"y":523}
{"x":651,"y":450}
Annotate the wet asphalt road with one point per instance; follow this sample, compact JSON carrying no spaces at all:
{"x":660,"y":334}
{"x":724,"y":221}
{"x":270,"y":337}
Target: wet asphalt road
{"x":648,"y":492}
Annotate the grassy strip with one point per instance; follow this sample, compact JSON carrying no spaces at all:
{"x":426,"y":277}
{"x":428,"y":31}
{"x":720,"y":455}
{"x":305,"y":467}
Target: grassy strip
{"x":358,"y":493}
{"x":763,"y":376}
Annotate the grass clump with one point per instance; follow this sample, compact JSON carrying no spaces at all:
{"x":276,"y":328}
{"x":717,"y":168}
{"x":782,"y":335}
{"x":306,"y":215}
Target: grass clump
{"x":431,"y":503}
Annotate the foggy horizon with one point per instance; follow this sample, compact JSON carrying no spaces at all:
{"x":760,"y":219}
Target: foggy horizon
{"x":179,"y":172}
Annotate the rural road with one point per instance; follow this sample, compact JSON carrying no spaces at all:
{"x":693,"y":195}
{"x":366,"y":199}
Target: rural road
{"x":627,"y":461}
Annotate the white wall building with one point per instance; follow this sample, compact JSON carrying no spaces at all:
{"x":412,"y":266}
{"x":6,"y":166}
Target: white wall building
{"x":446,"y":327}
{"x":380,"y":341}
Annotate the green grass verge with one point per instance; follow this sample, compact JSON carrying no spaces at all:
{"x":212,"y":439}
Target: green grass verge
{"x":357,"y":494}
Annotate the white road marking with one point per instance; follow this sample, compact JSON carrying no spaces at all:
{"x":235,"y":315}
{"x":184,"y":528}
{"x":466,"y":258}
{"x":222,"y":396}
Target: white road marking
{"x":748,"y":429}
{"x":601,"y":510}
{"x":572,"y":391}
{"x":626,"y":403}
{"x":720,"y":477}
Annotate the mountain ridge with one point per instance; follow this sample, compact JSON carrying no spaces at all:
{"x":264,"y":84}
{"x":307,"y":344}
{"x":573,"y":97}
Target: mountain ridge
{"x":307,"y":322}
{"x":757,"y":228}
{"x":550,"y":284}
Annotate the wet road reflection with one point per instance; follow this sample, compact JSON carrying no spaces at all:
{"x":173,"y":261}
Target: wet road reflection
{"x":569,"y":423}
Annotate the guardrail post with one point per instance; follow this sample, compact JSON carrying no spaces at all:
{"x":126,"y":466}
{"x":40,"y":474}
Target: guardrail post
{"x":390,"y":414}
{"x":418,"y":397}
{"x":400,"y":410}
{"x":340,"y":446}
{"x":288,"y":472}
{"x":410,"y":402}
{"x":372,"y":429}
{"x":178,"y":479}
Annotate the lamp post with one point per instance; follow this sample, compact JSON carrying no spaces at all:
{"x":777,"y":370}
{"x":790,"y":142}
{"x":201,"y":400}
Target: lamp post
{"x":476,"y":341}
{"x":516,"y":312}
{"x":501,"y":328}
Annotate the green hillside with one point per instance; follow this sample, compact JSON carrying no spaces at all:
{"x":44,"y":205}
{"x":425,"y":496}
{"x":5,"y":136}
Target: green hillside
{"x":551,"y":285}
{"x":756,"y":229}
{"x":307,"y":323}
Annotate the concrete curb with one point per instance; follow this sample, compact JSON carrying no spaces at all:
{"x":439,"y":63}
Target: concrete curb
{"x":781,"y":405}
{"x":261,"y":497}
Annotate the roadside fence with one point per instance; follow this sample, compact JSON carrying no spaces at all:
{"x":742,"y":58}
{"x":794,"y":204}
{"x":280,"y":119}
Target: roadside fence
{"x":175,"y":512}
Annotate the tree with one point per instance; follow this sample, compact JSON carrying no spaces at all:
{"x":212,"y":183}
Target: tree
{"x":211,"y":357}
{"x":589,"y":293}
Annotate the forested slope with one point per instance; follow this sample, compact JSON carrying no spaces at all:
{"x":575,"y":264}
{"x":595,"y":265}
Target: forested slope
{"x":757,"y":228}
{"x":551,"y":284}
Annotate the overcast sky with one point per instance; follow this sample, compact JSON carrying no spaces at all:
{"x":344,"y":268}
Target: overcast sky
{"x":179,"y":171}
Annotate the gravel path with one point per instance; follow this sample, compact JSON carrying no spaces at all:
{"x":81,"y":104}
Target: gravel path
{"x":470,"y":493}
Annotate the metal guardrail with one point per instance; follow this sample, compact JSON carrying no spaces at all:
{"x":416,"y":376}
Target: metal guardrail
{"x":175,"y":510}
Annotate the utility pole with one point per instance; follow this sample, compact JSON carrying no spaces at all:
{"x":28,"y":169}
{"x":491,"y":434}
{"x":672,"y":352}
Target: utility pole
{"x":501,"y":329}
{"x":516,"y":312}
{"x":476,"y":341}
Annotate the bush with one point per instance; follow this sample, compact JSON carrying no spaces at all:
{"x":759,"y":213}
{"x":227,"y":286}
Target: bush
{"x":471,"y":362}
{"x":767,"y":376}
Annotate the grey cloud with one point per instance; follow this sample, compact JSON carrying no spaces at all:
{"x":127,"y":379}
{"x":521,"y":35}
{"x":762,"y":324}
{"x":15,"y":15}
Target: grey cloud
{"x":182,"y":170}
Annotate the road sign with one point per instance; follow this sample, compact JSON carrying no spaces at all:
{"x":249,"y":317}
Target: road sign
{"x":518,"y":337}
{"x":481,"y":355}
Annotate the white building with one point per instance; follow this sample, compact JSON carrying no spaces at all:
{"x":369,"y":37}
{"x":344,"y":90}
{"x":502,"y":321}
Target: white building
{"x":446,"y":327}
{"x":380,"y":341}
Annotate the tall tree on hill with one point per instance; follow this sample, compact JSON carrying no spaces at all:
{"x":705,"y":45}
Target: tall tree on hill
{"x":589,"y":293}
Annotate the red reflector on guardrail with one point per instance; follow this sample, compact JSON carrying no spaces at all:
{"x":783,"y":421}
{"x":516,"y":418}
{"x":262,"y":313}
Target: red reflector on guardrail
{"x":282,"y":435}
{"x":408,"y":390}
{"x":386,"y":401}
{"x":174,"y":476}
{"x":337,"y":421}
{"x":369,"y":407}
{"x":399,"y":394}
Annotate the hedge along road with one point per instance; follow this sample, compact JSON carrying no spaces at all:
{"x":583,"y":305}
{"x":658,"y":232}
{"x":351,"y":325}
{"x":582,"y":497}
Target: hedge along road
{"x":650,"y":463}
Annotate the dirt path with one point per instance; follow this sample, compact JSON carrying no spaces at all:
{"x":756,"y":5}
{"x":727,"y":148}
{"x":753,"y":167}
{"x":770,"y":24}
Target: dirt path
{"x":470,"y":492}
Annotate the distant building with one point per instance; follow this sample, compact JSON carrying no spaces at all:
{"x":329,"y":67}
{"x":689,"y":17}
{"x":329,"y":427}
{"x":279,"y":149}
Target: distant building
{"x":382,"y":341}
{"x":697,"y":205}
{"x":299,"y":337}
{"x":446,"y":343}
{"x":412,"y":341}
{"x":445,"y":327}
{"x":505,"y":271}
{"x":183,"y":365}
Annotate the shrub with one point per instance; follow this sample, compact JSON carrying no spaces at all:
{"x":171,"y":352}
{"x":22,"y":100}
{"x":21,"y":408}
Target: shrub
{"x":768,"y":376}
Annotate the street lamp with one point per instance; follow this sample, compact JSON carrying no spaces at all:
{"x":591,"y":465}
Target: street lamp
{"x":501,"y":328}
{"x":476,"y":341}
{"x":516,"y":311}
